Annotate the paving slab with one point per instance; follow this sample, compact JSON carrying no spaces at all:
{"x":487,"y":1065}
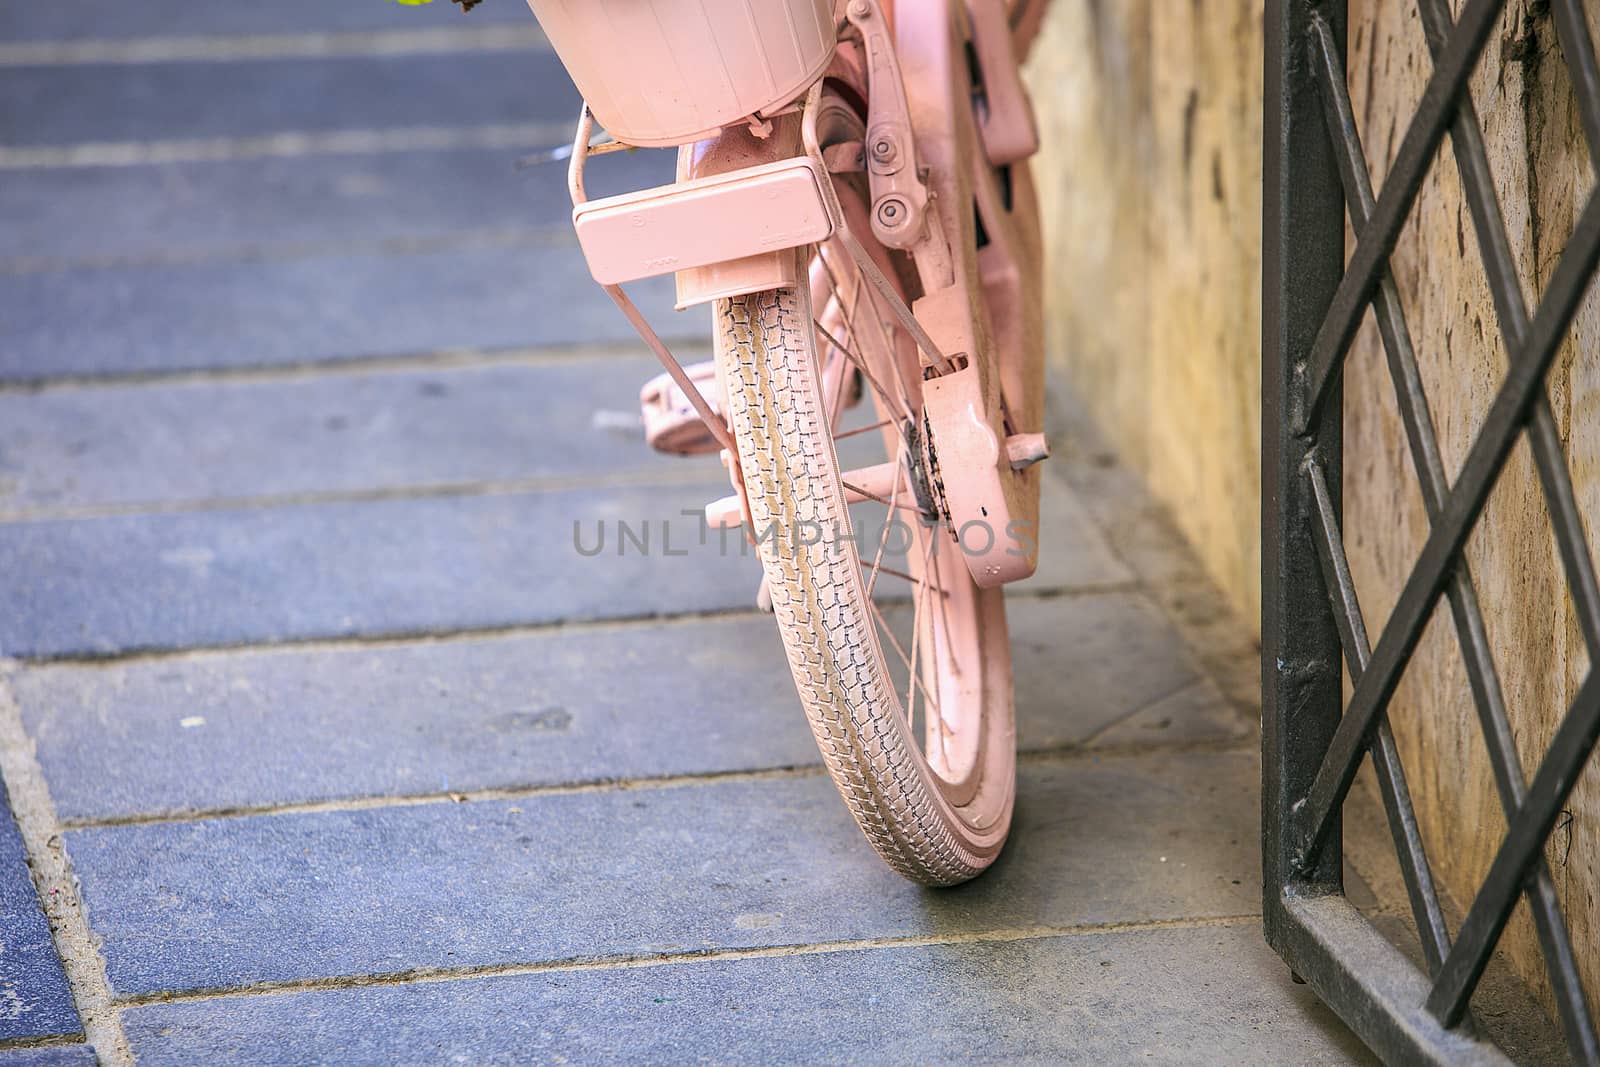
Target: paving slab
{"x":405,"y":566}
{"x":115,"y":19}
{"x":1176,"y":996}
{"x":88,"y":321}
{"x":251,"y":207}
{"x":1195,"y":714}
{"x":49,"y":1056}
{"x":57,"y":105}
{"x":736,"y":864}
{"x":35,"y":1002}
{"x":292,"y":726}
{"x":1089,"y":667}
{"x":566,"y":418}
{"x":413,"y":565}
{"x":295,"y":726}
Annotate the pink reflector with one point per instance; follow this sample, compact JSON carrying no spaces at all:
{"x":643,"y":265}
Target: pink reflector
{"x":708,"y":220}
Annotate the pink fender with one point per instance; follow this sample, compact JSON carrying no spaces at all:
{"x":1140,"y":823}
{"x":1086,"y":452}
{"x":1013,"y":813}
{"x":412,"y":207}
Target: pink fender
{"x":737,"y":148}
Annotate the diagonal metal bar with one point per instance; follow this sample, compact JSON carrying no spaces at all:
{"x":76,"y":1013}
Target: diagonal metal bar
{"x":1471,"y":635}
{"x":1375,"y":241}
{"x":1431,"y":929}
{"x":1494,"y":245}
{"x":1577,"y":47}
{"x":1558,"y":773}
{"x":1499,"y":266}
{"x":1314,"y":814}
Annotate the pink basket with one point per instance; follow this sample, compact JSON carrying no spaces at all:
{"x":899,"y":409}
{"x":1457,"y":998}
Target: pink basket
{"x":667,"y":72}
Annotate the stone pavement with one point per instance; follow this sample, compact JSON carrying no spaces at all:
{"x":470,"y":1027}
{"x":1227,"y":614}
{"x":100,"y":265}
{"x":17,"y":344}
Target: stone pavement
{"x":325,"y":745}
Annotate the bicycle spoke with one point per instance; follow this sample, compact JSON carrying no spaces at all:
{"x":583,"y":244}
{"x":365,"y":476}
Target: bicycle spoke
{"x":894,"y":642}
{"x":930,"y":565}
{"x":905,"y":408}
{"x":836,"y":408}
{"x":847,"y":315}
{"x":836,"y":411}
{"x":855,"y":295}
{"x":867,"y":494}
{"x":863,"y":429}
{"x":920,"y":583}
{"x":884,"y":337}
{"x":916,"y":621}
{"x":883,"y":538}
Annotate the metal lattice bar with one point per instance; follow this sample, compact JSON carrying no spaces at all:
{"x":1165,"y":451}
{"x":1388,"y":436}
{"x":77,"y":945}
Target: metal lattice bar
{"x":1312,"y":743}
{"x":1472,"y":164}
{"x":1376,"y":240}
{"x":1460,"y":513}
{"x":1569,"y":750}
{"x":1402,"y":816}
{"x":1577,"y":49}
{"x":1494,"y":248}
{"x":1484,"y":683}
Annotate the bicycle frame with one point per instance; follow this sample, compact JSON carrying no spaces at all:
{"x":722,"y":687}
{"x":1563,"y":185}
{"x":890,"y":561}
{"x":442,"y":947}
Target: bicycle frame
{"x":749,"y":199}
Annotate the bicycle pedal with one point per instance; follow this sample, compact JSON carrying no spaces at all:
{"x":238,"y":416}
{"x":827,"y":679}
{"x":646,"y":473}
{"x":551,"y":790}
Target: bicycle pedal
{"x":671,"y":423}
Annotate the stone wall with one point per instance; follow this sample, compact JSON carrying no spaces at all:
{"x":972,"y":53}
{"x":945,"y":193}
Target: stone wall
{"x":1150,"y":185}
{"x":1151,"y":189}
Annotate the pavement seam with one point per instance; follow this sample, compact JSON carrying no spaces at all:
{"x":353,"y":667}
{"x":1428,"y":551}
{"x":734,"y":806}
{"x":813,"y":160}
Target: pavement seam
{"x":1182,"y":687}
{"x":411,"y":800}
{"x":57,"y":886}
{"x":291,"y":251}
{"x":428,"y":976}
{"x":287,"y":144}
{"x":15,"y":1044}
{"x":325,"y":642}
{"x":353,"y":366}
{"x":233,"y":47}
{"x":685,"y":478}
{"x":1070,"y":752}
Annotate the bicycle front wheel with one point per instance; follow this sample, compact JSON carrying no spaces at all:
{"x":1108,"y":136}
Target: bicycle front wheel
{"x":902,"y":663}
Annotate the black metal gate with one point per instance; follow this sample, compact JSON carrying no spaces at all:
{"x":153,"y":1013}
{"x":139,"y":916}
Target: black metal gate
{"x":1313,"y":743}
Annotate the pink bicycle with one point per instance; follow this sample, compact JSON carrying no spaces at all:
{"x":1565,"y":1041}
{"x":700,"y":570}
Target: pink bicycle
{"x":853,"y":201}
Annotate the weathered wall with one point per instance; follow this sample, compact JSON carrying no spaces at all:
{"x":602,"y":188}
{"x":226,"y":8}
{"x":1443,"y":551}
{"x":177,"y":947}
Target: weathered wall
{"x":1150,"y":184}
{"x":1151,"y":188}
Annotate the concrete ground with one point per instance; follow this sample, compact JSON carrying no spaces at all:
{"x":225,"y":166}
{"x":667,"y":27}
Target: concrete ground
{"x":325,"y":745}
